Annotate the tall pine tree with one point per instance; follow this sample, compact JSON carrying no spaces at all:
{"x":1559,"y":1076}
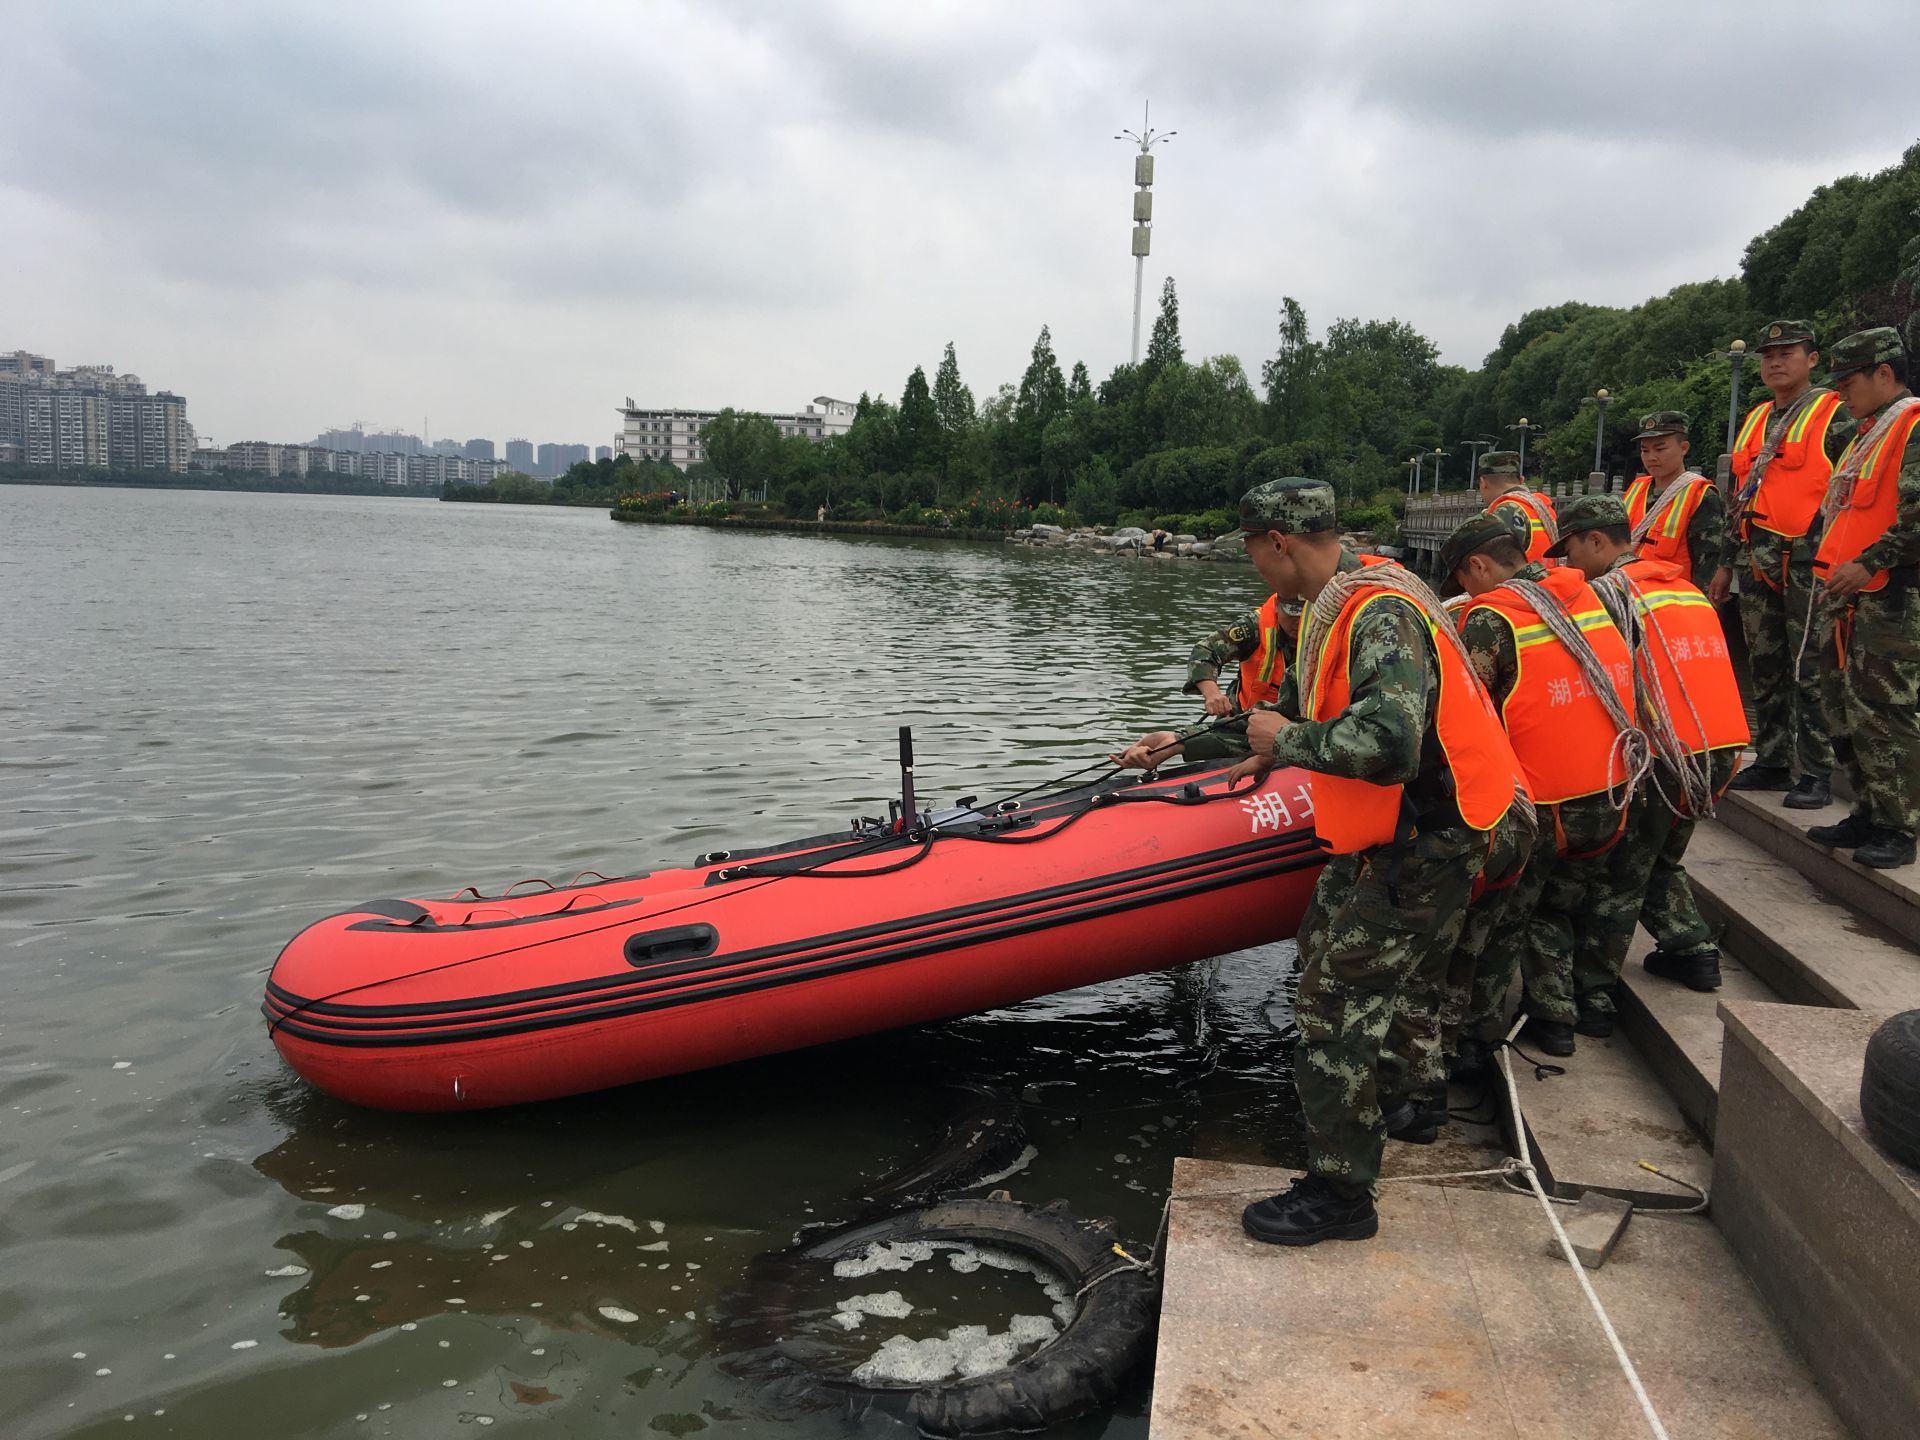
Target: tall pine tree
{"x":1163,"y":349}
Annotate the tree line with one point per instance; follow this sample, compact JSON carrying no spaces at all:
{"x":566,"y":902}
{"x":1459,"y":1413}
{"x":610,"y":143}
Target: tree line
{"x":1175,"y":441}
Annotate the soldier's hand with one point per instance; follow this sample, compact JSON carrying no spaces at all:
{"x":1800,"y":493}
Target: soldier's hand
{"x":1148,"y":751}
{"x":1721,"y":585}
{"x":1256,"y":766}
{"x":1262,"y":726}
{"x":1847,"y":579}
{"x":1219,"y":703}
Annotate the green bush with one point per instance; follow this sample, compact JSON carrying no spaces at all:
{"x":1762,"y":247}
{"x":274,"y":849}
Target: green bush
{"x":1048,"y":513}
{"x":717,"y":509}
{"x":1206,"y":525}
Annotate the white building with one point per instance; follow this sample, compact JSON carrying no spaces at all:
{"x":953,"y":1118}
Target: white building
{"x":673,"y":435}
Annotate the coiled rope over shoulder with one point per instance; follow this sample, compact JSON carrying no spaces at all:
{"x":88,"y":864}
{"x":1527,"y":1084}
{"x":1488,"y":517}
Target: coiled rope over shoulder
{"x":1333,"y":598}
{"x":1694,"y":772}
{"x":1632,"y":750}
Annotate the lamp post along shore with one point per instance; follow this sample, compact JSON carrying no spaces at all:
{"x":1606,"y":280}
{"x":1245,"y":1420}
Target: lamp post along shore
{"x":1473,"y":449}
{"x":1735,"y":355}
{"x":1525,"y":430}
{"x":1146,"y":139}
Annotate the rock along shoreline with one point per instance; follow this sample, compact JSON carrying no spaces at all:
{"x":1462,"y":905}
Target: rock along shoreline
{"x":1129,"y":540}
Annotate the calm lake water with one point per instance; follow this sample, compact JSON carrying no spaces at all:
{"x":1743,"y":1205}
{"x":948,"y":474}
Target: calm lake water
{"x":224,"y":716}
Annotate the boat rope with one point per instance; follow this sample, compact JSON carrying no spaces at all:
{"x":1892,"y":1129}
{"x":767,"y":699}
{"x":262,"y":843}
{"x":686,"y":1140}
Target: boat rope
{"x":1526,"y":1167}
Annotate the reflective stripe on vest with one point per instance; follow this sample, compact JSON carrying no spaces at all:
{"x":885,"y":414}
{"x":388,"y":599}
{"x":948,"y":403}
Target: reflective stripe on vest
{"x":1684,"y":651}
{"x":1875,"y":501}
{"x":1667,"y":540}
{"x":1559,"y":728}
{"x":1795,"y":480}
{"x":1262,"y":671}
{"x":1355,"y":815}
{"x":1538,"y":509}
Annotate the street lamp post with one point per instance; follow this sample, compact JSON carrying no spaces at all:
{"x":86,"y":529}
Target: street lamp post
{"x":1735,"y":355}
{"x":1413,"y":473}
{"x":1142,"y":208}
{"x":1473,"y":449}
{"x":1525,"y":430}
{"x":1600,"y":399}
{"x":1438,"y":455}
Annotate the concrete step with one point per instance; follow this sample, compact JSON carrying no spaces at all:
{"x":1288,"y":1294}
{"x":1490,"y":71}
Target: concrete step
{"x":1802,"y":940}
{"x":1678,"y":1031}
{"x":1891,"y":897}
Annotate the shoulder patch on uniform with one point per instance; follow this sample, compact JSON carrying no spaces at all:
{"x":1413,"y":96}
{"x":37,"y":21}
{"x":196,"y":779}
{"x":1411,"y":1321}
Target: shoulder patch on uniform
{"x":1239,"y":634}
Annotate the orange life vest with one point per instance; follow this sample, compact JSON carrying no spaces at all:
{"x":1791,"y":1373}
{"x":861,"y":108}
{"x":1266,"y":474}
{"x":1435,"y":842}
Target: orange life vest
{"x":1795,"y":480}
{"x":1541,"y":520}
{"x":1869,"y":511}
{"x":1262,"y":671}
{"x":1667,"y":540}
{"x":1560,"y":729}
{"x":1355,"y":815}
{"x":1683,"y":651}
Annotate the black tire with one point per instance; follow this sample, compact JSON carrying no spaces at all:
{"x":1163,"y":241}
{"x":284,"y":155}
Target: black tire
{"x":1080,"y":1370}
{"x":1890,"y":1087}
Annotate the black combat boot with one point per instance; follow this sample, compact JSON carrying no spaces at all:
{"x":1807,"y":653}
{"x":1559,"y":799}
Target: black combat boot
{"x":1309,"y":1211}
{"x":1597,"y":1023}
{"x":1474,"y":1061}
{"x":1810,"y":792}
{"x":1553,"y":1037}
{"x":1417,"y":1119}
{"x":1697,"y":972}
{"x":1856,"y":829}
{"x":1763,"y":777}
{"x":1889,"y":849}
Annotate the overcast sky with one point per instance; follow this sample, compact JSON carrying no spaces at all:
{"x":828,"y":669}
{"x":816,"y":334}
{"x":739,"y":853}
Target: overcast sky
{"x":503,"y":218}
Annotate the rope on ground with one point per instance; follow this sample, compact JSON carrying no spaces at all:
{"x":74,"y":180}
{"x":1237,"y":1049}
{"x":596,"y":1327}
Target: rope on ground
{"x":1566,"y":1249}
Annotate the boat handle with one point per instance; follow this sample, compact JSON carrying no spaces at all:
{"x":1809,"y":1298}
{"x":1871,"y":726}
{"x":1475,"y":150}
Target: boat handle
{"x":682,"y":942}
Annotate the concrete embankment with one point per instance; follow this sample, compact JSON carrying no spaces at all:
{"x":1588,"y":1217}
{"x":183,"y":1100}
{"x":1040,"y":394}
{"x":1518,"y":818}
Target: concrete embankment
{"x":808,"y":527}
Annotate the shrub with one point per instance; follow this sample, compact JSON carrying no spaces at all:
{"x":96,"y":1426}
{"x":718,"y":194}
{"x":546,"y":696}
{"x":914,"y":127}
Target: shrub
{"x":717,"y":508}
{"x":1048,"y":513}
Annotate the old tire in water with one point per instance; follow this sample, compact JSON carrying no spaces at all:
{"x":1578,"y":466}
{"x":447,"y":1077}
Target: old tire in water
{"x":1890,"y":1087}
{"x":1080,"y":1370}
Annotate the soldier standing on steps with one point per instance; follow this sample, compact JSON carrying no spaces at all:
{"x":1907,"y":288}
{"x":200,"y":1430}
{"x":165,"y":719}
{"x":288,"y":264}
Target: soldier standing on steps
{"x":1782,"y":460}
{"x":1869,"y":639}
{"x":1411,"y":773}
{"x":1677,"y":514}
{"x":1508,"y":498}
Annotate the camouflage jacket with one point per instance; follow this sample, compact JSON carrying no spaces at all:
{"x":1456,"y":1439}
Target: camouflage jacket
{"x":1709,"y":535}
{"x":1901,"y":544}
{"x":1224,"y":649}
{"x":1386,"y":734}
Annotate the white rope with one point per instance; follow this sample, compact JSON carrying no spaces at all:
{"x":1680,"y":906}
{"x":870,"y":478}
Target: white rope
{"x":1526,"y":1168}
{"x":1669,"y":497}
{"x":1694,"y":772}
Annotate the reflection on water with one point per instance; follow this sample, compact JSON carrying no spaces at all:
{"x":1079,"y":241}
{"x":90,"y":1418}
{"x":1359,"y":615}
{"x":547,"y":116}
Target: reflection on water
{"x":232,"y":714}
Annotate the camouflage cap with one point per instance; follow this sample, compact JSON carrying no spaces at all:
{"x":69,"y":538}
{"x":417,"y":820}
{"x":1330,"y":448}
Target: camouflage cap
{"x":1787,"y":332}
{"x":1588,"y":512}
{"x":1501,"y":462}
{"x":1863,"y":350}
{"x":1293,"y":505}
{"x":1664,"y":422}
{"x":1469,"y":538}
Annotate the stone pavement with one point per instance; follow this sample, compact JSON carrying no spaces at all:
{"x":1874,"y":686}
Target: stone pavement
{"x":1456,"y":1319}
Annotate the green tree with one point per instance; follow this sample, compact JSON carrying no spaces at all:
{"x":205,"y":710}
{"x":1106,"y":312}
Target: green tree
{"x":1041,"y":398}
{"x":1163,"y":346}
{"x":740,"y":448}
{"x":1290,"y":375}
{"x":1079,"y":387}
{"x":920,"y":434}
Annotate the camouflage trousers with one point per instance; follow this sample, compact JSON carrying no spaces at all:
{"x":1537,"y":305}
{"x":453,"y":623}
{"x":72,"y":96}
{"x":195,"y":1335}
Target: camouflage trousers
{"x":1871,"y":703}
{"x":1554,"y":920}
{"x":1643,"y":881}
{"x":1377,"y":920}
{"x":1791,"y":726}
{"x":1512,"y":850}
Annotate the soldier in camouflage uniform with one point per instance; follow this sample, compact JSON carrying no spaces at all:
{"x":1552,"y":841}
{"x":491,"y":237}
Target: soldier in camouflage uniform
{"x":1227,"y":649}
{"x":1869,"y":561}
{"x":1708,"y":538}
{"x":1776,"y":566}
{"x":1537,"y":923}
{"x":1376,"y":915}
{"x":1646,"y":879}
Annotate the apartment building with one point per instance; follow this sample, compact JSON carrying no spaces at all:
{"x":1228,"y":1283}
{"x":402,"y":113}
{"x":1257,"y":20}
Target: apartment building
{"x":674,"y":435}
{"x":88,"y":418}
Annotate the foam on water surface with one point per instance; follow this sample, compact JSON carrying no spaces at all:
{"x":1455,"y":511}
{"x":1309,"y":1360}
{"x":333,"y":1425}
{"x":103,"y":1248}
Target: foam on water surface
{"x":962,"y":1353}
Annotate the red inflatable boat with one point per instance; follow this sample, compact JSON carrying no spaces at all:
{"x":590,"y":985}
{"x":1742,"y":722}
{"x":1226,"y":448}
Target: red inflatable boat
{"x":495,"y":1000}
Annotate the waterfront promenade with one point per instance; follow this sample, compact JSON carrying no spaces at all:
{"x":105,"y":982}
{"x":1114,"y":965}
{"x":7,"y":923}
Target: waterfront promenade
{"x":1785,"y":1309}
